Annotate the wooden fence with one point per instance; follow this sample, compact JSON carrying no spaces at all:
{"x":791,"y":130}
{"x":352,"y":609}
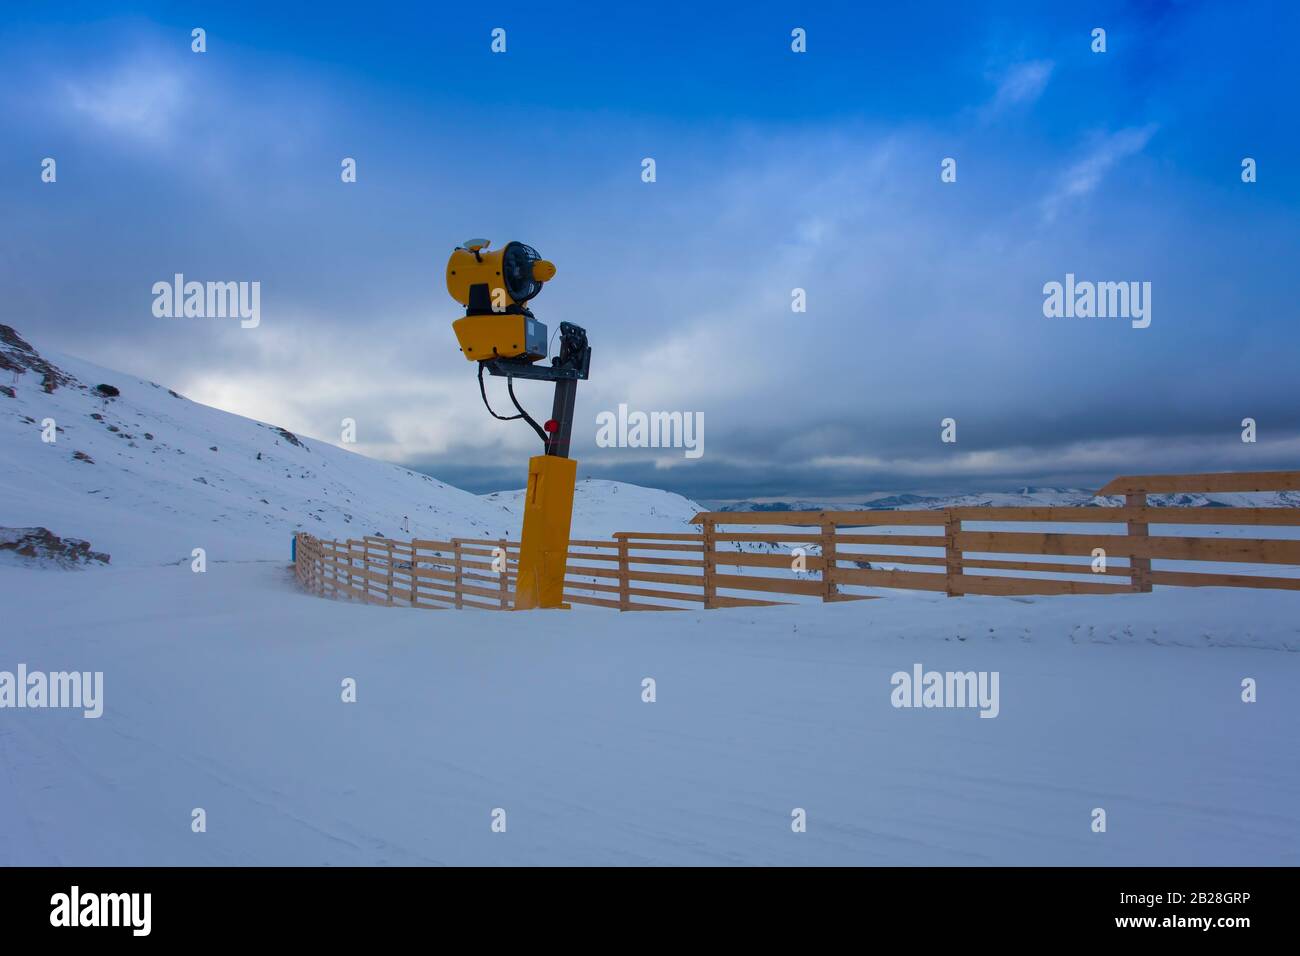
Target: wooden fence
{"x":840,"y":555}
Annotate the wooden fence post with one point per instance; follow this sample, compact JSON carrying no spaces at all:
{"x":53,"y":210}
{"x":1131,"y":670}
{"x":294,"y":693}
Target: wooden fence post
{"x":349,"y":572}
{"x":390,"y":570}
{"x":952,"y":556}
{"x":624,"y":579}
{"x":415,"y":563}
{"x":1140,"y":567}
{"x":328,"y":574}
{"x":365,"y":567}
{"x":710,"y":563}
{"x":829,"y":559}
{"x":505,"y":575}
{"x":457,"y":561}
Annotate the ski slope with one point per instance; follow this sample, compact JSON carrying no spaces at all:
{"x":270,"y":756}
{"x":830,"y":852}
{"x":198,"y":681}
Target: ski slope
{"x":222,"y":692}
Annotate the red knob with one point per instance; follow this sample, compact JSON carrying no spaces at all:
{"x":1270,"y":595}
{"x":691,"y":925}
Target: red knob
{"x":552,"y":426}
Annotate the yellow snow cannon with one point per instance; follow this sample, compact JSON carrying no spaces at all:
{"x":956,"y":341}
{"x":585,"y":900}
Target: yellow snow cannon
{"x":501,"y":333}
{"x":494,"y":287}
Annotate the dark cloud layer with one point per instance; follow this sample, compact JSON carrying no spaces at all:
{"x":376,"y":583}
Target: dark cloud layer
{"x":924,"y":299}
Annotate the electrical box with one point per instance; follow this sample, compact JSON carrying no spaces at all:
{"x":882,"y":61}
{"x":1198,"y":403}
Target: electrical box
{"x":503,"y":335}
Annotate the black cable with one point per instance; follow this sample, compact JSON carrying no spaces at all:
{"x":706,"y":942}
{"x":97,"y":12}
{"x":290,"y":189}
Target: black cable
{"x":510,"y":386}
{"x":482,"y":390}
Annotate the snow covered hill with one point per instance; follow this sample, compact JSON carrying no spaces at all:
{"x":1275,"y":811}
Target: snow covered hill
{"x":603,"y":507}
{"x":146,"y":475}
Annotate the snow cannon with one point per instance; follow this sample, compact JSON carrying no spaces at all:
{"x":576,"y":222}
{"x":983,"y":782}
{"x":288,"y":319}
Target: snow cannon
{"x":494,"y":287}
{"x":501,"y":334}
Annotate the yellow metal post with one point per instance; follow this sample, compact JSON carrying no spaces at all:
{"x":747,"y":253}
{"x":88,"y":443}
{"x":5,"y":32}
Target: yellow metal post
{"x":544,"y":544}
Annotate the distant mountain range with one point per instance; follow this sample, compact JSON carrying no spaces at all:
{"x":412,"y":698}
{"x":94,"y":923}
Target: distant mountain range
{"x":1025,"y":497}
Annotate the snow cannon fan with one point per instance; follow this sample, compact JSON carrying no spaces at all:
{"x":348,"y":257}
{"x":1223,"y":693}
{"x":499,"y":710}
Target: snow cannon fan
{"x":501,"y":334}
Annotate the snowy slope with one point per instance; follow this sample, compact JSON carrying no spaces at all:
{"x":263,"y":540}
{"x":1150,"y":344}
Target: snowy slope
{"x":1129,"y":703}
{"x":162,"y":475}
{"x":148,"y":475}
{"x":603,"y":507}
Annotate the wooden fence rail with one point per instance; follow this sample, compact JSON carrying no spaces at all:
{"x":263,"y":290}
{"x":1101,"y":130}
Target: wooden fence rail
{"x":836,"y":555}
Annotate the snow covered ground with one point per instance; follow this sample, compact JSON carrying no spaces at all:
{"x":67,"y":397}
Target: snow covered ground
{"x":223,"y":691}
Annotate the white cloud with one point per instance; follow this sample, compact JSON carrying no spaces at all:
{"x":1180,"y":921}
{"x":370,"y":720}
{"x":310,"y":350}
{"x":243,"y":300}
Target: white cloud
{"x":138,"y":101}
{"x":1021,"y":83}
{"x":1083,"y":176}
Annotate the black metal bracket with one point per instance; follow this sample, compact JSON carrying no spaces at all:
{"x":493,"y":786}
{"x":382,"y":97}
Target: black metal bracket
{"x":573,"y":362}
{"x":514,"y":368}
{"x":571,"y":366}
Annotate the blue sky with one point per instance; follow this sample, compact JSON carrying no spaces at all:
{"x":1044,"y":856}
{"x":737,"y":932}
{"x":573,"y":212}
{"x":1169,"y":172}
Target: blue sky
{"x":775,"y":170}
